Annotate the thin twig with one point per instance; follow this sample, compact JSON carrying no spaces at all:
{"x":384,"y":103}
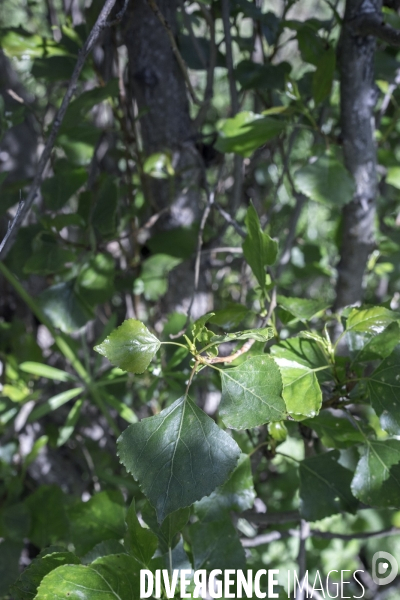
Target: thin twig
{"x":230,"y":220}
{"x":226,"y":14}
{"x":208,"y":92}
{"x":175,"y":49}
{"x":94,"y":35}
{"x":11,"y":224}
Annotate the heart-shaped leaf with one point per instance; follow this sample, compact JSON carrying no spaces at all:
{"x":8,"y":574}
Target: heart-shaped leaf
{"x":178,"y":456}
{"x":251,"y":394}
{"x":130,"y":347}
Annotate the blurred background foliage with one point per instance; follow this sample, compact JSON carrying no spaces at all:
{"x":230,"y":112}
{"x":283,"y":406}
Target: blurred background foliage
{"x":113,"y":234}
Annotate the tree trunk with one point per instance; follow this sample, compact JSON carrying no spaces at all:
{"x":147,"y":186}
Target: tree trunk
{"x":358,"y":98}
{"x":158,"y":87}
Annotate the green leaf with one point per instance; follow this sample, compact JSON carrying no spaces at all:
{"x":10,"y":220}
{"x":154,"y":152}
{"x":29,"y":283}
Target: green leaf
{"x":96,"y":279}
{"x":370,"y":320}
{"x":48,"y":258}
{"x":64,"y":307}
{"x":251,"y":394}
{"x":100,"y":518}
{"x":10,"y":552}
{"x":231,"y":316}
{"x":374,"y":469}
{"x":260,"y":335}
{"x":306,"y":352}
{"x":122,"y":409}
{"x":68,"y":428}
{"x":325,"y":181}
{"x":258,"y":248}
{"x":114,"y":577}
{"x":372,"y":332}
{"x":325,"y":487}
{"x":216,"y":545}
{"x":393,"y":177}
{"x":105,"y":207}
{"x":199,"y":326}
{"x":159,"y":165}
{"x":301,"y":391}
{"x":103,"y":549}
{"x":15,"y":521}
{"x":25,"y":587}
{"x":168,"y":533}
{"x":246,"y":132}
{"x":48,"y":516}
{"x":335,"y":429}
{"x":236,"y":494}
{"x":130,"y":347}
{"x":302,"y":308}
{"x":178,"y":456}
{"x":53,"y":403}
{"x":153,"y":281}
{"x":384,"y":392}
{"x":42,"y":370}
{"x":57,"y":190}
{"x":140,"y":542}
{"x":323,"y":76}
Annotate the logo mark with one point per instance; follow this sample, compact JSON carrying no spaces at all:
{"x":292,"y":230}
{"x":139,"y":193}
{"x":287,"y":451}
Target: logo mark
{"x":381,"y":573}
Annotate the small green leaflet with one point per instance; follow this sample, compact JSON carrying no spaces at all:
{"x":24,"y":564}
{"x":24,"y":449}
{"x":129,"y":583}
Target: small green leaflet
{"x":247,"y":131}
{"x":372,"y":332}
{"x":178,"y":456}
{"x":371,"y":320}
{"x":375,"y":470}
{"x":113,"y":577}
{"x":325,"y":487}
{"x":53,"y":403}
{"x":258,"y":248}
{"x":251,"y":394}
{"x":41,"y":370}
{"x":384,"y":392}
{"x":130,"y":347}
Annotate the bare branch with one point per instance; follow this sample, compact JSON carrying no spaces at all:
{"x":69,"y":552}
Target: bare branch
{"x":230,"y":220}
{"x":272,"y":518}
{"x":94,"y":35}
{"x":373,"y":24}
{"x":11,"y":225}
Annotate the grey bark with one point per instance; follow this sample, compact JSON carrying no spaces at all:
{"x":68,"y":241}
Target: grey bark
{"x":156,"y":83}
{"x":358,"y":98}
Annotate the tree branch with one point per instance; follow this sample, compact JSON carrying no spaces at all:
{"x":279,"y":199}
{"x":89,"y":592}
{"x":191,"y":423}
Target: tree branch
{"x":272,"y":536}
{"x":94,"y":35}
{"x":373,"y":24}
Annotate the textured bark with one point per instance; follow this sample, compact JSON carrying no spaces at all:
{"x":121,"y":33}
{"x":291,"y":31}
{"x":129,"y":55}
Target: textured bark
{"x":358,"y":98}
{"x":157,"y":84}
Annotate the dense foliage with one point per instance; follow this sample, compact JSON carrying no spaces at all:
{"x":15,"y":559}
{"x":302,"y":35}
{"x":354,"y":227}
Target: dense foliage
{"x":181,"y":384}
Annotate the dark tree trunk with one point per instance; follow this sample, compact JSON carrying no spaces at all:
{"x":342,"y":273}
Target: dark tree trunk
{"x":158,"y":87}
{"x":358,"y":98}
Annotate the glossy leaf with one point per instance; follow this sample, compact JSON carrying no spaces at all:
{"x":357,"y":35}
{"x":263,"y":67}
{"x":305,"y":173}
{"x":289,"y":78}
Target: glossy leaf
{"x":168,"y":533}
{"x":307,"y":352}
{"x":325,"y":181}
{"x":374,"y":469}
{"x":236,"y":494}
{"x":371,"y":320}
{"x":141,"y":542}
{"x":260,"y":335}
{"x":325,"y":487}
{"x":114,"y":577}
{"x":258,"y":248}
{"x":130,"y":347}
{"x":26,"y":585}
{"x":103,"y":549}
{"x":178,"y":456}
{"x":251,"y":394}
